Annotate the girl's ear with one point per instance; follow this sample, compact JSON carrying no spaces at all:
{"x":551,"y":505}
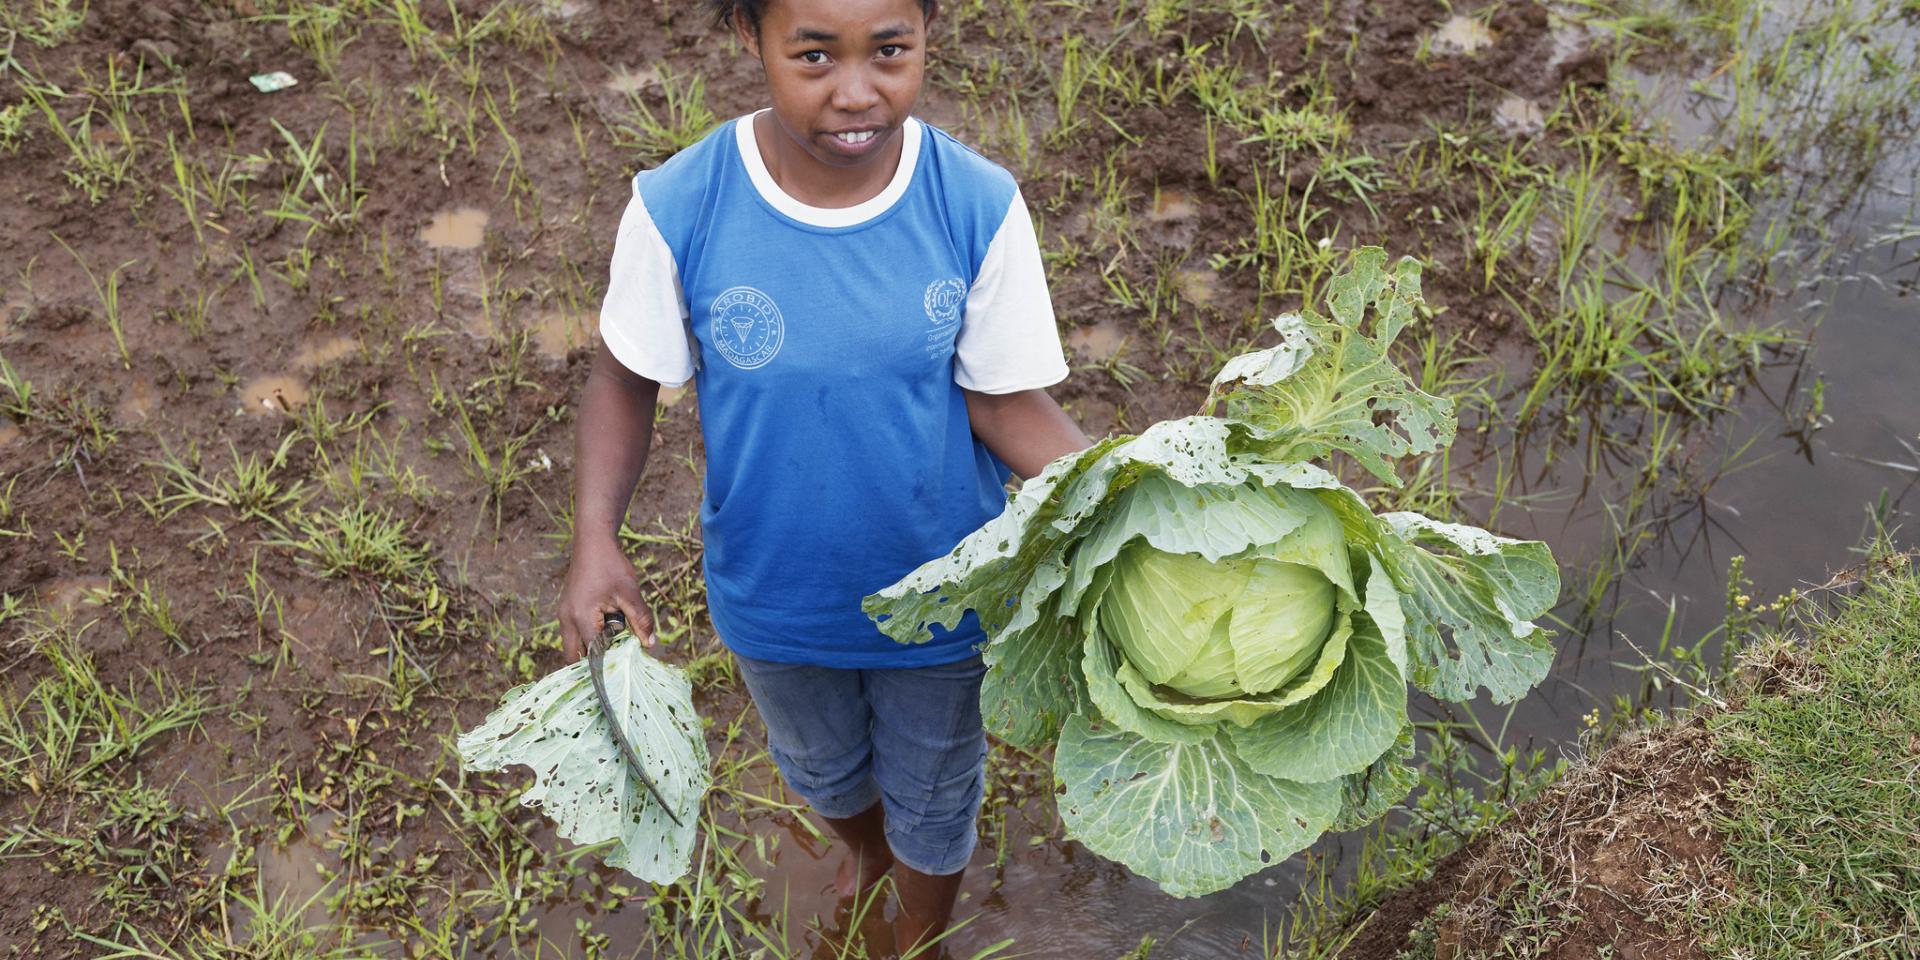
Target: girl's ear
{"x":744,"y":28}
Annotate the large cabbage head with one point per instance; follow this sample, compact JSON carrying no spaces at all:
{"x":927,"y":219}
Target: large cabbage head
{"x":1235,"y":638}
{"x":1213,"y":632}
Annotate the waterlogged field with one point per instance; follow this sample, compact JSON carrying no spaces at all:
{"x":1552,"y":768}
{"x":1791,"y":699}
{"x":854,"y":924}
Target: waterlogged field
{"x":287,"y":377}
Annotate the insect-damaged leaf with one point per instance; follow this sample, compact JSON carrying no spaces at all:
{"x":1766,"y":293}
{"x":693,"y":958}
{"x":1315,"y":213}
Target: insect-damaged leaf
{"x":581,"y":782}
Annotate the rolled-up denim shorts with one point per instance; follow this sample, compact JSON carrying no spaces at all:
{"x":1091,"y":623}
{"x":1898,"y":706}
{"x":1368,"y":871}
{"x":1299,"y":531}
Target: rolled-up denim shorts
{"x":909,"y":738}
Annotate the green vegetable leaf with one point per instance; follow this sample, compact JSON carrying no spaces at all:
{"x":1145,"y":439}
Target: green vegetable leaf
{"x":1369,"y":794}
{"x":1485,"y":590}
{"x":1102,"y":671}
{"x":994,"y":568}
{"x":1341,"y":729}
{"x":1330,"y":384}
{"x":1191,"y":816}
{"x":581,"y":783}
{"x":1033,"y":684}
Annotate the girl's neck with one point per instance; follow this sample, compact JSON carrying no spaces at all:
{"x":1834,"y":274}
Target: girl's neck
{"x":814,"y":183}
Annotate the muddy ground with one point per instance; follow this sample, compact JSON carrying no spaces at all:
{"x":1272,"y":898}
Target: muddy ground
{"x":348,"y":579}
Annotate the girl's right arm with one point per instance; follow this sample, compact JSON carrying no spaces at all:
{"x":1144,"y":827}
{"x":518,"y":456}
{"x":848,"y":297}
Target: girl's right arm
{"x":612,"y":434}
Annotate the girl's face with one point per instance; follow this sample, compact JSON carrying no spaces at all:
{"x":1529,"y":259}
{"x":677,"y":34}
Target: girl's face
{"x":844,"y":74}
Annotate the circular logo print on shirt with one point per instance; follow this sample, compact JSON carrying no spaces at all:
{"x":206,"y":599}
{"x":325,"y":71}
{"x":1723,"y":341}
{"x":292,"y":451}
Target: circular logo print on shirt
{"x":747,"y":329}
{"x":944,"y":299}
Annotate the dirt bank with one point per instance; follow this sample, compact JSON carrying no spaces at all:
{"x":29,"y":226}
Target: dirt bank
{"x":1736,"y":831}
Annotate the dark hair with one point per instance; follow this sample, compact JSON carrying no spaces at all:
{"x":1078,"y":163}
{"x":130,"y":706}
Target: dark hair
{"x":725,"y":10}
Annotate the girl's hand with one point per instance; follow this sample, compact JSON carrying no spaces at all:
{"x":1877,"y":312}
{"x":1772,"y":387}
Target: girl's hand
{"x":600,"y":581}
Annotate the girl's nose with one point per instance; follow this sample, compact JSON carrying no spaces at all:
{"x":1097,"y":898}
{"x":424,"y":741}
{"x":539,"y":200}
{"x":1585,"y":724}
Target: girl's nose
{"x":855,"y":93}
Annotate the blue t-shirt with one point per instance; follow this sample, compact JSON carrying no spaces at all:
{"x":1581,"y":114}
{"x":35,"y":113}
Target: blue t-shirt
{"x":829,"y":348}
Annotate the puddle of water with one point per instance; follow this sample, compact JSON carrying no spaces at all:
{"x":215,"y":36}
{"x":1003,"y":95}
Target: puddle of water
{"x":627,"y":81}
{"x":1097,"y":342}
{"x":564,"y":9}
{"x":290,"y":876}
{"x":462,"y":228}
{"x":1172,"y":205}
{"x":68,"y":593}
{"x":1519,"y":116}
{"x":325,"y":352}
{"x":557,"y":333}
{"x":1198,"y":287}
{"x":275,"y":393}
{"x":1462,"y":34}
{"x":137,"y":403}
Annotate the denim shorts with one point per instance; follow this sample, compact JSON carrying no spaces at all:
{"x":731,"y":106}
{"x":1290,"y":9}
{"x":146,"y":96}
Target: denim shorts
{"x":909,"y":738}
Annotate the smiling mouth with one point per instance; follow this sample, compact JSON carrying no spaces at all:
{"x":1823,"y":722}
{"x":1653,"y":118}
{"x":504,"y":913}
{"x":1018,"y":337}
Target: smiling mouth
{"x":856,"y":138}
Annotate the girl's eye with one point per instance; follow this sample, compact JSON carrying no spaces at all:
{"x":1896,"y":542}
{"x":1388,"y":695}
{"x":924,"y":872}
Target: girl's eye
{"x":814,"y":56}
{"x":892,"y":50}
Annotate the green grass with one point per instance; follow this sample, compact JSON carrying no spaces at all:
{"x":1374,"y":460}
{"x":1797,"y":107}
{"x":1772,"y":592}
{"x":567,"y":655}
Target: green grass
{"x":70,"y":727}
{"x":1824,"y":835}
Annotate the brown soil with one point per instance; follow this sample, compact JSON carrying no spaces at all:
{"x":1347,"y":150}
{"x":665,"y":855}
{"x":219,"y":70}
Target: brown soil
{"x":382,"y":324}
{"x":1595,"y":867}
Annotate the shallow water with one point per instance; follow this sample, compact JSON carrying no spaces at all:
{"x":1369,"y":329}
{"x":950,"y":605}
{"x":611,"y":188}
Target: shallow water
{"x":559,"y":332}
{"x":1098,"y":341}
{"x":290,"y":874}
{"x":276,"y":393}
{"x":1519,"y":115}
{"x":1172,"y":205}
{"x":323,"y":352}
{"x":1794,"y":487}
{"x":137,"y":399}
{"x":462,"y":228}
{"x":1462,"y":34}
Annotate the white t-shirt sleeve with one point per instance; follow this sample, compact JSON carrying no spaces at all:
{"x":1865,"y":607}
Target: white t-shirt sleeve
{"x":1008,"y":340}
{"x":643,"y":321}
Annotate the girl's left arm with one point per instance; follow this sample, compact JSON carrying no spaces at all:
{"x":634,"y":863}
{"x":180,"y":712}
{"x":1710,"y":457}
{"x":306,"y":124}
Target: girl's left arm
{"x":1026,"y":429}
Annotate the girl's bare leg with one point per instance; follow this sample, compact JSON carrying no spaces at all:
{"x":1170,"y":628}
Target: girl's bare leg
{"x":868,"y":858}
{"x":926,"y":903}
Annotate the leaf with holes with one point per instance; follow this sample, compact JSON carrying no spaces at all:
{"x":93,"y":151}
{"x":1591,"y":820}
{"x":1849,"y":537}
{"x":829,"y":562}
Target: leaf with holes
{"x":580,"y":780}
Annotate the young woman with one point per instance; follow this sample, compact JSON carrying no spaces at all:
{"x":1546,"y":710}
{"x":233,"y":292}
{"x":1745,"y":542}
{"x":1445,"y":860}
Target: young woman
{"x":860,"y":301}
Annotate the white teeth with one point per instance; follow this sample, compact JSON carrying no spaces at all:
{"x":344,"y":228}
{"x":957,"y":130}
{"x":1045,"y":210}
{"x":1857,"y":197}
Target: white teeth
{"x":860,"y":137}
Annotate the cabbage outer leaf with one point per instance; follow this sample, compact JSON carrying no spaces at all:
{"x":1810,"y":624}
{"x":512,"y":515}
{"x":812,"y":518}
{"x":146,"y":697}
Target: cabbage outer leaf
{"x":1191,"y":816}
{"x":1213,"y":522}
{"x":1369,"y":794}
{"x":997,"y":570}
{"x":580,"y":780}
{"x":1033,"y":685}
{"x":1331,"y":385}
{"x":1485,"y":590}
